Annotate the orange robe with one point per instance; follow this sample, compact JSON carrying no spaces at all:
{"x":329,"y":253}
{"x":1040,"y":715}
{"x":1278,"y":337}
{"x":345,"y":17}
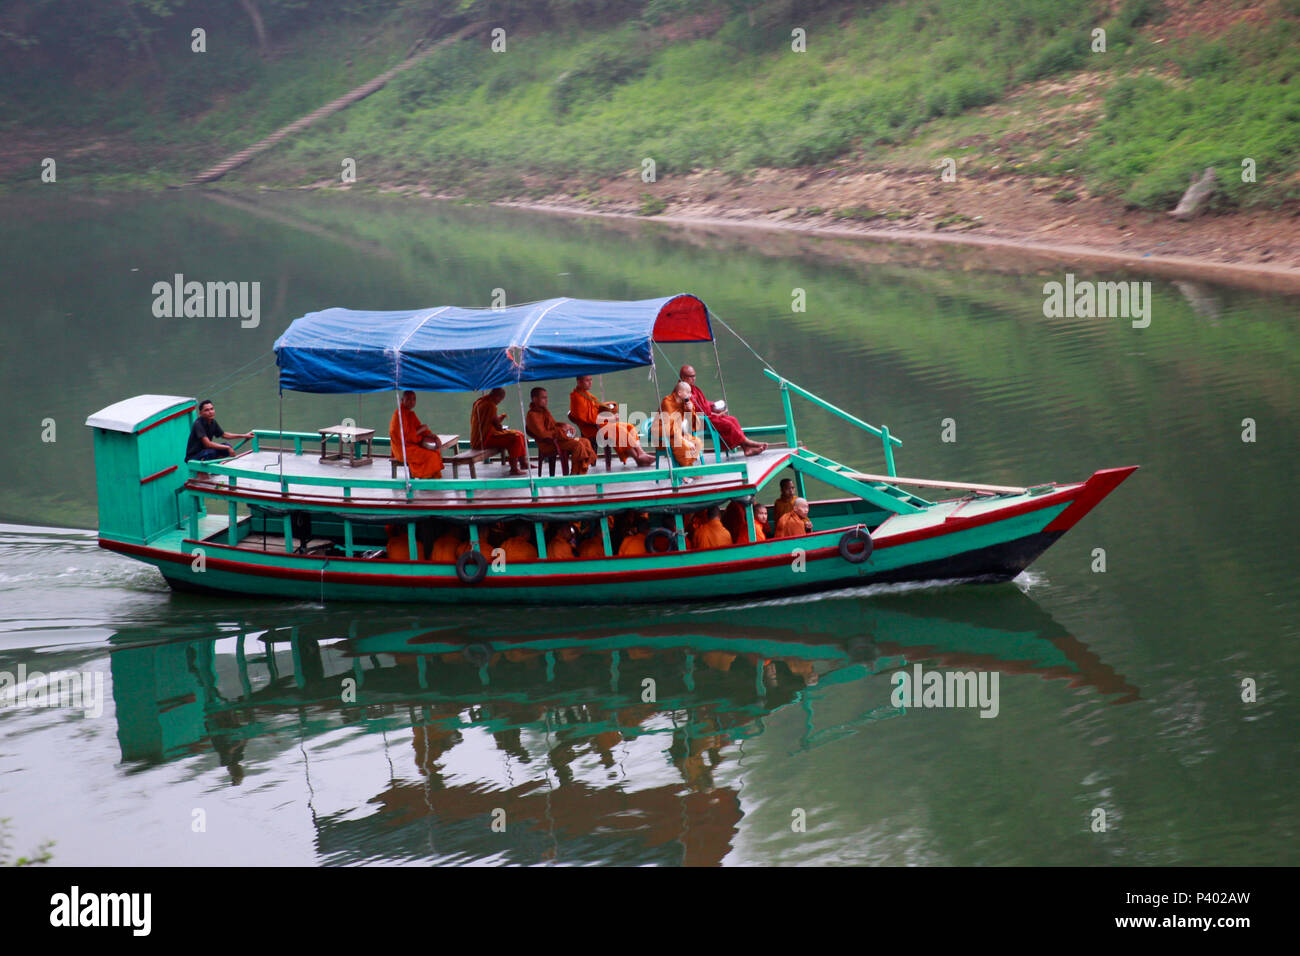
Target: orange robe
{"x":423,"y":462}
{"x":790,"y":526}
{"x":557,"y":549}
{"x":733,"y":519}
{"x":633,"y":544}
{"x":782,"y":507}
{"x":742,"y":537}
{"x":446,"y":548}
{"x":592,"y":547}
{"x":583,"y":409}
{"x":711,"y":534}
{"x":483,"y":546}
{"x":676,"y":428}
{"x":484,"y":432}
{"x":519,"y":549}
{"x":551,"y":439}
{"x":398,"y":548}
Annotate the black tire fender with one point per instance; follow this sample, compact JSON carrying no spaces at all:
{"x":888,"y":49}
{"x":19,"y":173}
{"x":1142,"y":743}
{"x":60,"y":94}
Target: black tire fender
{"x":856,"y":546}
{"x":668,"y":538}
{"x":480,"y":562}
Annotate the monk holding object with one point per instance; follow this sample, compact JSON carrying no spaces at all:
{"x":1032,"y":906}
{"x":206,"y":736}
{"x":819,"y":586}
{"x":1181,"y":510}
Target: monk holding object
{"x":414,"y":442}
{"x":796,"y":522}
{"x":486,"y":431}
{"x":727,"y":426}
{"x":600,"y":426}
{"x":676,"y":425}
{"x":552,"y":437}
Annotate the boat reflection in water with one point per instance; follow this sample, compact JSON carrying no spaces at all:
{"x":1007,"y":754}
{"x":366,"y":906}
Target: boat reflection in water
{"x":586,"y":743}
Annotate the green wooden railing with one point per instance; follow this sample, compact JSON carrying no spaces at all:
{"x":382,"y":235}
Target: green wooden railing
{"x":791,"y":437}
{"x":349,"y":481}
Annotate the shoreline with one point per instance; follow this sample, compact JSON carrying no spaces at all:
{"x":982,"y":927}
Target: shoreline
{"x":1260,"y":276}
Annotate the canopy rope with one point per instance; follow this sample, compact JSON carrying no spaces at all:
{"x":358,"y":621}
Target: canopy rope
{"x":739,"y":339}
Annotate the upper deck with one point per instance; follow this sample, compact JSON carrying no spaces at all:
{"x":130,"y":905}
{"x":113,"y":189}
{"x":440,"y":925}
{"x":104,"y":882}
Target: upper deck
{"x":290,"y":474}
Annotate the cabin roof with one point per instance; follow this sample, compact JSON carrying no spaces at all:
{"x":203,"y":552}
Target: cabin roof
{"x":130,"y":413}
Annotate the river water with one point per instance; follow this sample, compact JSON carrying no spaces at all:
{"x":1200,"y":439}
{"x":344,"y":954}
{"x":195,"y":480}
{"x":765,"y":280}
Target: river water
{"x":1144,"y":665}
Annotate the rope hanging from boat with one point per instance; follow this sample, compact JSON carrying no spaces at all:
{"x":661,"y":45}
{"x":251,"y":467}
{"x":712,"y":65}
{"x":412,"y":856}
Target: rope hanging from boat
{"x":717,"y":362}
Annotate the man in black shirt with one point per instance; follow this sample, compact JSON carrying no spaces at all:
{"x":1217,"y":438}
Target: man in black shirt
{"x":202,"y":446}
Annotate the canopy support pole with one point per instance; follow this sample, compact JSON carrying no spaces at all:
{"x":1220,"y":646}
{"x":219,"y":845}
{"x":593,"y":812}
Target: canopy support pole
{"x":657,"y":419}
{"x":401,"y":433}
{"x":717,"y":362}
{"x":523,"y":427}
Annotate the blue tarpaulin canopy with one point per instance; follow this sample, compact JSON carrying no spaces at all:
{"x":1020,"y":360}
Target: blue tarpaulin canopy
{"x":452,"y":349}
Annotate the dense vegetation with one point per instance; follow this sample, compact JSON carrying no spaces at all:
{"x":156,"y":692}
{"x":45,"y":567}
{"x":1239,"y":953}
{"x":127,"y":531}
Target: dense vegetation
{"x":589,"y":88}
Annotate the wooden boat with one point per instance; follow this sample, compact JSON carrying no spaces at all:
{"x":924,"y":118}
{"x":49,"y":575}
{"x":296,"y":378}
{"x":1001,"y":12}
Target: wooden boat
{"x":287,"y":524}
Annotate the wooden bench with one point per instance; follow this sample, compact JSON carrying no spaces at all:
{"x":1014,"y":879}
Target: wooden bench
{"x":475,"y":455}
{"x":395,"y":464}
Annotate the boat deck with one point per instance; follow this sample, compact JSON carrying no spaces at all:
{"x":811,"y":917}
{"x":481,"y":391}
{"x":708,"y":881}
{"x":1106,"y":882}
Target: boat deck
{"x":257,"y":475}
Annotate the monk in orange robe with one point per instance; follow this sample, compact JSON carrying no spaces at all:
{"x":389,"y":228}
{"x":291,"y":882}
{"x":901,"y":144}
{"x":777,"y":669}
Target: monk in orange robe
{"x":584,"y":411}
{"x":795,"y":523}
{"x":560,"y":545}
{"x":676,"y":426}
{"x":398,"y":546}
{"x":519,"y":547}
{"x":413,"y":442}
{"x":592,"y":547}
{"x":727,"y":427}
{"x":486,"y":431}
{"x":634,"y":541}
{"x":785,"y":504}
{"x":446,"y":547}
{"x":554,"y":438}
{"x":760,"y":526}
{"x":711,"y":534}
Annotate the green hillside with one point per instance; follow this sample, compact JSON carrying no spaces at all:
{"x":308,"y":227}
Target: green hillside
{"x":587,"y":90}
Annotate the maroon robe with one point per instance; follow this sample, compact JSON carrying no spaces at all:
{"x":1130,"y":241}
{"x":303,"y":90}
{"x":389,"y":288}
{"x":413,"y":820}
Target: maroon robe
{"x":727,"y":426}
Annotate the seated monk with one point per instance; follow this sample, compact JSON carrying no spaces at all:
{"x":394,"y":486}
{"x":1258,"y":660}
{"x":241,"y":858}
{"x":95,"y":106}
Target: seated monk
{"x":795,"y":523}
{"x":678,"y":424}
{"x":519,"y":546}
{"x":733,"y":519}
{"x":413,"y":442}
{"x":728,"y":428}
{"x":560,"y":545}
{"x":760,"y":526}
{"x":785,"y":504}
{"x":553,"y":438}
{"x":586,"y":413}
{"x":486,"y":431}
{"x":398,"y":547}
{"x":486,"y":541}
{"x":711,"y":534}
{"x":634,"y":541}
{"x":446,"y":546}
{"x":592,"y":546}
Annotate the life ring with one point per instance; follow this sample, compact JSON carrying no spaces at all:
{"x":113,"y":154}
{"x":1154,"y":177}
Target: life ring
{"x":668,"y":538}
{"x":480,"y":562}
{"x":856,"y":546}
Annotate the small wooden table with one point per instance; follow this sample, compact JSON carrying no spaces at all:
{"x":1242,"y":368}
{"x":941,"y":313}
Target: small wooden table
{"x":351,"y":440}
